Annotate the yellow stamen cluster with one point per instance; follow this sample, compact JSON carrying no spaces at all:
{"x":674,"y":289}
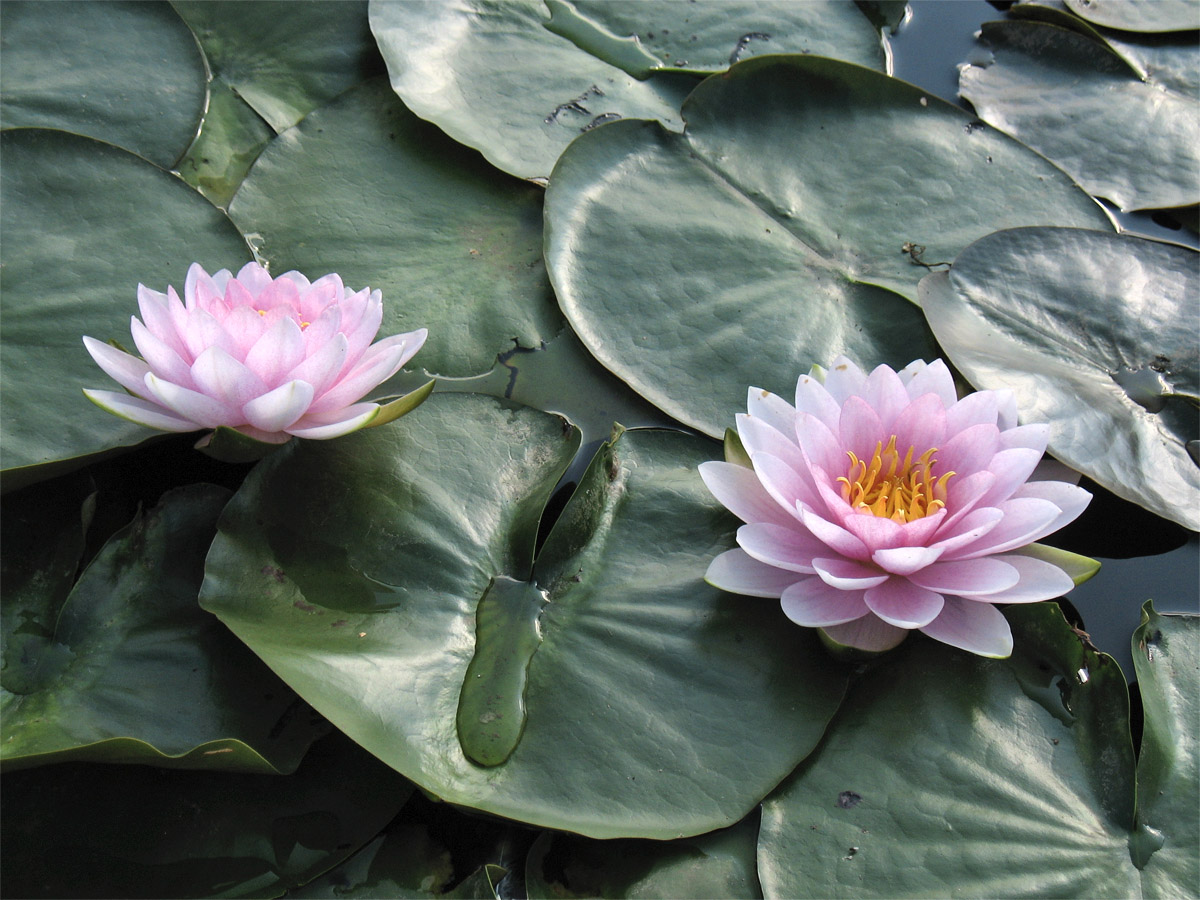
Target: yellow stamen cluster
{"x":895,"y":488}
{"x":303,"y":324}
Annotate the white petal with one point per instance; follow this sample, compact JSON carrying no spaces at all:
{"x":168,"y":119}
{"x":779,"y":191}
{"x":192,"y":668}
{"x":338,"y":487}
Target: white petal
{"x":1038,"y":581}
{"x":123,"y":368}
{"x":277,"y":409}
{"x":198,"y":408}
{"x":143,"y":412}
{"x":906,"y":560}
{"x":218,"y":375}
{"x":975,"y":627}
{"x":843,"y":378}
{"x":771,"y":409}
{"x":323,"y":428}
{"x":814,"y":604}
{"x":934,"y":378}
{"x":738,"y":573}
{"x":901,"y":603}
{"x":739,"y":490}
{"x":968,"y":578}
{"x":791,"y":548}
{"x":1069,"y":498}
{"x":848,"y":575}
{"x":812,"y":398}
{"x":1025,"y":520}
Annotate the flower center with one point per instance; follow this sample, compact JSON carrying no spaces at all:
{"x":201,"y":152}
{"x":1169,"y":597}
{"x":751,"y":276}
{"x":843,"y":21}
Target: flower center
{"x":303,"y":324}
{"x":900,"y":489}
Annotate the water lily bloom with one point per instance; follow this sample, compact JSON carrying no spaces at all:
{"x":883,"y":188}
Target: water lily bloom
{"x":883,"y":503}
{"x":268,"y":357}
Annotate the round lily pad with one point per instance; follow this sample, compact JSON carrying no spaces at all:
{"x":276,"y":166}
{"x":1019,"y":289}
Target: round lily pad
{"x":1138,"y":15}
{"x":604,"y":689}
{"x":1096,"y":334}
{"x":753,"y":245}
{"x":365,"y":189}
{"x":84,"y":223}
{"x":520,"y":79}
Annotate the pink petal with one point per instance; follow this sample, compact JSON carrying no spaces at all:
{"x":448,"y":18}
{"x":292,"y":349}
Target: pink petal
{"x":322,"y":367}
{"x":935,"y":378}
{"x":979,"y":408}
{"x":784,"y":548}
{"x":919,"y":532}
{"x":885,"y":394}
{"x":843,"y":379}
{"x":759,"y":436}
{"x":739,"y":490}
{"x":323,"y":428}
{"x":320,"y":331}
{"x":123,"y":368}
{"x":875,"y":532}
{"x":159,"y":356}
{"x":970,"y":450}
{"x":277,"y":352}
{"x":379,"y":363}
{"x":820,"y":445}
{"x":203,"y":331}
{"x":1012,"y":468}
{"x":847,"y":574}
{"x":836,"y":537}
{"x":812,"y":398}
{"x":1007,"y":409}
{"x":1069,"y":498}
{"x":921,"y":425}
{"x":364,"y":331}
{"x":814,"y":604}
{"x":253,"y":277}
{"x":196,"y":280}
{"x":156,"y":314}
{"x":1025,"y":520}
{"x":141,"y":412}
{"x":1038,"y":581}
{"x":972,"y":526}
{"x":859,"y":430}
{"x":906,"y":560}
{"x":277,"y":409}
{"x":220,"y":376}
{"x":963,"y":495}
{"x":781,"y":481}
{"x":738,"y":573}
{"x":978,"y":628}
{"x":968,"y":578}
{"x":868,"y":633}
{"x":1033,"y":437}
{"x":187,"y":404}
{"x":901,"y":603}
{"x":771,"y":409}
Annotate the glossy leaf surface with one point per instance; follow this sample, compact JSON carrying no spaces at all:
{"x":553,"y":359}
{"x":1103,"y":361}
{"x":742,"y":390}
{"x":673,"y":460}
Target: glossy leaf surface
{"x":753,"y":246}
{"x":128,"y":668}
{"x":518,"y":80}
{"x":365,"y":189}
{"x":953,"y":775}
{"x":84,"y":223}
{"x":365,"y":593}
{"x":1137,"y":15}
{"x":135,"y":77}
{"x":1131,"y":140}
{"x":1096,"y":334}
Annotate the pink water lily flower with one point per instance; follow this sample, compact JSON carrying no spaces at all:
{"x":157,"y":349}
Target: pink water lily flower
{"x":883,"y":503}
{"x":269,"y":357}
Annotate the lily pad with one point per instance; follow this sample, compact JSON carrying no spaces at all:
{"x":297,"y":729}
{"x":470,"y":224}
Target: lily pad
{"x":271,"y":64}
{"x":952,"y":775}
{"x":129,"y":668}
{"x":1074,"y":100}
{"x":1096,"y":335}
{"x":126,"y":73}
{"x":667,"y":707}
{"x":584,"y":63}
{"x":753,"y":246}
{"x":365,"y":189}
{"x":1138,"y":15}
{"x":72,"y":830}
{"x":84,"y":223}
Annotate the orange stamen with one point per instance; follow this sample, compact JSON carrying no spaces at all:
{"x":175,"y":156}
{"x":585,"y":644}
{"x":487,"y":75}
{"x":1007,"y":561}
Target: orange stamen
{"x":900,"y":489}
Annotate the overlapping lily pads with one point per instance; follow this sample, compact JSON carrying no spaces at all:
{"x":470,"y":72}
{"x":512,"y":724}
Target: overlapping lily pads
{"x":84,"y":223}
{"x":519,"y":79}
{"x":1126,"y":137}
{"x":949,"y":774}
{"x":365,"y":189}
{"x":395,"y":593}
{"x":126,"y":73}
{"x":140,"y":831}
{"x":1096,"y":334}
{"x":271,"y":64}
{"x":126,"y":667}
{"x":1138,"y":15}
{"x":754,"y":245}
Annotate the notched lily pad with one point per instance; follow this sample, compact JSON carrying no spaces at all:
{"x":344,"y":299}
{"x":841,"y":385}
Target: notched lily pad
{"x":752,"y":246}
{"x":1096,"y":334}
{"x":128,"y":668}
{"x":399,"y":594}
{"x":1120,"y":133}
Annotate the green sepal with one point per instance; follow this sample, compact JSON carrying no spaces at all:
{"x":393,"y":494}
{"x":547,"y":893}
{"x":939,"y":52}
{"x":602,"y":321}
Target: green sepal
{"x":401,"y":406}
{"x":735,"y":451}
{"x":231,"y":446}
{"x":1079,"y":567}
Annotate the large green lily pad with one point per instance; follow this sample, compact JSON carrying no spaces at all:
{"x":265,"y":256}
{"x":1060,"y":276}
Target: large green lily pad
{"x":126,"y":73}
{"x":1132,"y":141}
{"x":1138,"y":15}
{"x":605,"y":689}
{"x":80,"y":830}
{"x":520,"y":79}
{"x":1096,"y":334}
{"x":753,"y":245}
{"x":127,"y":667}
{"x":272,"y":62}
{"x":365,"y":189}
{"x":950,"y":775}
{"x":84,"y":223}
